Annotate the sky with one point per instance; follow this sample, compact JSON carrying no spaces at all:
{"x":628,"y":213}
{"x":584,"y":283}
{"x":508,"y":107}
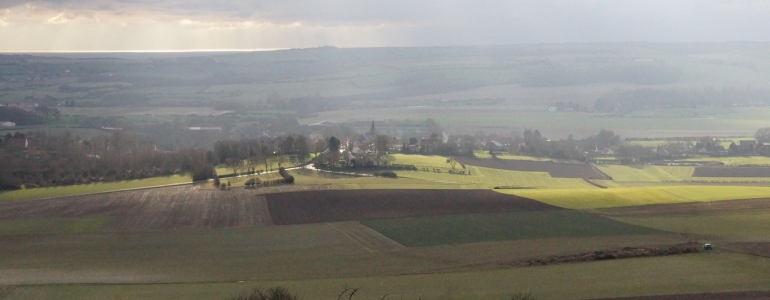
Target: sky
{"x":186,"y":25}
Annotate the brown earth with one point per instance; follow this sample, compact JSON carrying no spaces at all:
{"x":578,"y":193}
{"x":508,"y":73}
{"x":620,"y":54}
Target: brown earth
{"x":625,"y":252}
{"x":153,"y":209}
{"x":748,"y":295}
{"x":556,"y":170}
{"x":731,"y":172}
{"x":712,"y":206}
{"x":358,"y":205}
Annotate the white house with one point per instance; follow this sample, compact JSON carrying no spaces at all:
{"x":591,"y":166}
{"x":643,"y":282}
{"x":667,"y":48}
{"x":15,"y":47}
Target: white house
{"x":7,"y":124}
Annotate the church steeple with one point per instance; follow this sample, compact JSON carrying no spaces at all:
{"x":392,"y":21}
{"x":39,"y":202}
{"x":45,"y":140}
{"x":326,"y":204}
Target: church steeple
{"x":372,"y":130}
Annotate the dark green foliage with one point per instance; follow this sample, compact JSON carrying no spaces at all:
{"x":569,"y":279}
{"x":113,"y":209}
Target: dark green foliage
{"x":273,"y":293}
{"x":386,"y":174}
{"x":334,"y":144}
{"x":763,"y":135}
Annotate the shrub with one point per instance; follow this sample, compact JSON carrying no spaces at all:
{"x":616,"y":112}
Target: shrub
{"x":273,"y":293}
{"x":386,"y":174}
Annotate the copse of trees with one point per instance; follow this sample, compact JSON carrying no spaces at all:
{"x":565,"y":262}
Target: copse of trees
{"x":62,"y":160}
{"x":23,"y":118}
{"x":249,"y":154}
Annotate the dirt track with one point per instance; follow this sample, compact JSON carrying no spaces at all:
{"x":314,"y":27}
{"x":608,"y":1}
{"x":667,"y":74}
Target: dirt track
{"x":751,"y":295}
{"x":713,"y":206}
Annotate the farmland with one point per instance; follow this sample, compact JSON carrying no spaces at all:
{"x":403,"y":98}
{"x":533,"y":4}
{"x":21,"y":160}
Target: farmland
{"x":556,"y":170}
{"x":731,"y":172}
{"x":646,"y":173}
{"x":358,"y":205}
{"x":739,"y":225}
{"x":427,"y":237}
{"x":648,"y":276}
{"x":441,"y":230}
{"x":37,"y":193}
{"x":618,"y":197}
{"x":174,"y":208}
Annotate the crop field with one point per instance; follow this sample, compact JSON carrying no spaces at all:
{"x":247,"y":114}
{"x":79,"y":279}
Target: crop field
{"x":733,"y":160}
{"x":740,"y":225}
{"x":633,"y":196}
{"x":155,"y":111}
{"x":696,"y":273}
{"x":731,"y":172}
{"x":561,"y":124}
{"x":693,"y":207}
{"x":484,"y":178}
{"x":357,"y":205}
{"x":646,"y":173}
{"x":556,"y":170}
{"x":472,"y":228}
{"x":81,"y":189}
{"x":143,"y":210}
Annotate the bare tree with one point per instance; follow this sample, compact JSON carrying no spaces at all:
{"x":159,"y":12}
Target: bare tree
{"x":452,"y":162}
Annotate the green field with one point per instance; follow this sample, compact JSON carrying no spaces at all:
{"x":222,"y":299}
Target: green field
{"x":37,"y":193}
{"x":441,"y":230}
{"x":695,"y":273}
{"x":53,"y":226}
{"x":618,"y":197}
{"x":748,"y":225}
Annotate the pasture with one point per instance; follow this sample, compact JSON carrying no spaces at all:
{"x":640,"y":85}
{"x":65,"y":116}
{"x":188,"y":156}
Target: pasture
{"x":633,"y":196}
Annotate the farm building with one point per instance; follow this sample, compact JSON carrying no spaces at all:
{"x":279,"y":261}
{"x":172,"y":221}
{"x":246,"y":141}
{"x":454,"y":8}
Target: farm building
{"x":7,"y":124}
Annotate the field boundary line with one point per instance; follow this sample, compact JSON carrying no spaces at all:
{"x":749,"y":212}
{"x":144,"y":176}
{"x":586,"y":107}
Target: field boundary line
{"x":368,"y":238}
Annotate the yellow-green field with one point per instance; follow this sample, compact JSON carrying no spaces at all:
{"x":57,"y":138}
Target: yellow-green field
{"x":646,"y":173}
{"x":618,"y":197}
{"x":484,"y":178}
{"x":734,"y":160}
{"x":37,"y":193}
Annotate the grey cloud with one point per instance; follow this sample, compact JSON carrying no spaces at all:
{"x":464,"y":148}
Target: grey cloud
{"x":477,"y":22}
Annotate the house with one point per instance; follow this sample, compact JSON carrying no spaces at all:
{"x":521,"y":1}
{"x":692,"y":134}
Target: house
{"x":18,"y":142}
{"x":747,"y":146}
{"x":7,"y":124}
{"x":607,"y":151}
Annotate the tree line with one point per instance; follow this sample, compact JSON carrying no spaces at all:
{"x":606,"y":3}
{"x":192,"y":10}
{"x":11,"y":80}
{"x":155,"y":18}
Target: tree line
{"x":63,"y":160}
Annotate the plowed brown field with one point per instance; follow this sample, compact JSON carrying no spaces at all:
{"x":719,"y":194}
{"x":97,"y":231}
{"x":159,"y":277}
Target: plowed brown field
{"x":358,"y":205}
{"x":556,"y":170}
{"x":153,"y":209}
